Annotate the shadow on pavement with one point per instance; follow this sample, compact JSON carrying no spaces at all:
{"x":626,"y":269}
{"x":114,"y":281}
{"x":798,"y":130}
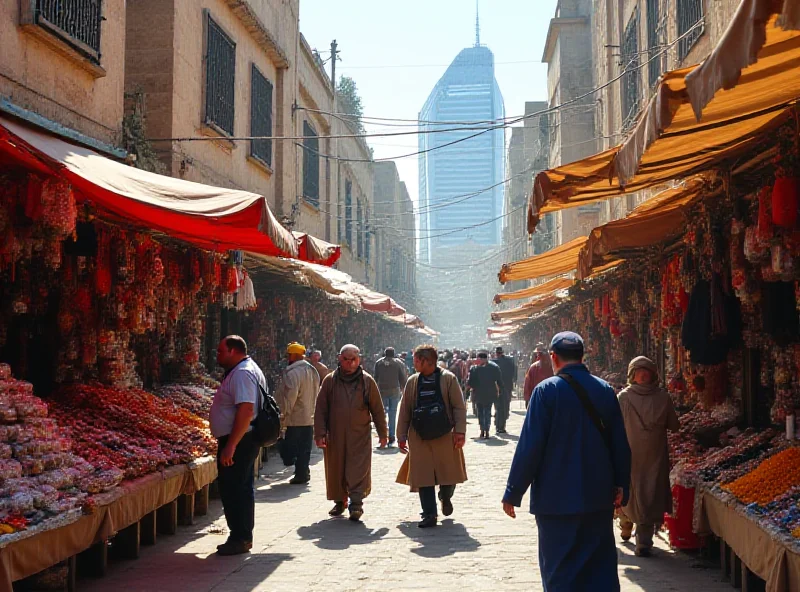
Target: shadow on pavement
{"x":511,"y":437}
{"x":387,"y":451}
{"x":337,"y":534}
{"x":280,"y":492}
{"x":494,"y":441}
{"x":444,"y":540}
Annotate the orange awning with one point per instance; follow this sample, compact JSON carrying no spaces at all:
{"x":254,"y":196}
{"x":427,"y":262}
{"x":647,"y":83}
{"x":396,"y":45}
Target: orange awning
{"x":529,"y":309}
{"x":562,"y":259}
{"x":757,"y":60}
{"x":559,"y":283}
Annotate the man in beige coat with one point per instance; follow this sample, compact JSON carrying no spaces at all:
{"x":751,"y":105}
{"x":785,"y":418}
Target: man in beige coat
{"x":439,"y":461}
{"x":348,"y":402}
{"x":648,"y":413}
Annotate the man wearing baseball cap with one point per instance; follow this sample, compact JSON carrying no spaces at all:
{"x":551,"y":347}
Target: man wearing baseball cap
{"x":297,"y":396}
{"x":573,"y":453}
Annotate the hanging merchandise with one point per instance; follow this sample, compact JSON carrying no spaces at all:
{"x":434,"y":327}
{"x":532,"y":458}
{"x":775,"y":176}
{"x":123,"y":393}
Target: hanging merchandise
{"x":246,"y":297}
{"x":712,"y":325}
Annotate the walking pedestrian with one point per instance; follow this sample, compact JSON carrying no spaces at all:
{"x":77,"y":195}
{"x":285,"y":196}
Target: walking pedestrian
{"x":296,"y":397}
{"x":574,"y":454}
{"x":390,"y":374}
{"x":348,"y":402}
{"x":648,"y":413}
{"x":541,"y":369}
{"x":315,"y":359}
{"x":433,"y":458}
{"x":503,"y":404}
{"x":485,"y":384}
{"x":233,"y":410}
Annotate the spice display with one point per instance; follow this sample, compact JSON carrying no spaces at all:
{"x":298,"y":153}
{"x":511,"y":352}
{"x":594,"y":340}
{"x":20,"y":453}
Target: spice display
{"x":770,"y":479}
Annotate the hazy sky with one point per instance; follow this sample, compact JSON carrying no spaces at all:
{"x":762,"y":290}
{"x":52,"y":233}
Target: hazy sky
{"x":397,"y":51}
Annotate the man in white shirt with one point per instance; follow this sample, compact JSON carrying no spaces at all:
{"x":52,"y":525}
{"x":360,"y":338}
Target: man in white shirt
{"x":233,"y":410}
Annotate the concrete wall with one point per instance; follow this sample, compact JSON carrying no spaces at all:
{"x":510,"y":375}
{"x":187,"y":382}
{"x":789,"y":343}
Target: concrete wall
{"x":40,"y":73}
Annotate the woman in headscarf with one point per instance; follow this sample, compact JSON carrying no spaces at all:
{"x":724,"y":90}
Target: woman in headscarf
{"x":648,"y":413}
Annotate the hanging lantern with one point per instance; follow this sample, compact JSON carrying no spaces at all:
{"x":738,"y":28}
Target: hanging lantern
{"x":785,"y":195}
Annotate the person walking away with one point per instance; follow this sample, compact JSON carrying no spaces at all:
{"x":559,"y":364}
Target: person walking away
{"x":508,"y":369}
{"x":574,"y":454}
{"x":233,"y":409}
{"x":432,"y":461}
{"x":348,"y":401}
{"x":315,"y":359}
{"x":390,"y":374}
{"x":648,"y":413}
{"x":296,"y":397}
{"x":541,"y":369}
{"x":485,"y":383}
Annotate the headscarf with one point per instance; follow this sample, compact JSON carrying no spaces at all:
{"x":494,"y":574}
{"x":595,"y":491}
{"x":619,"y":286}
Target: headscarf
{"x":643,"y":363}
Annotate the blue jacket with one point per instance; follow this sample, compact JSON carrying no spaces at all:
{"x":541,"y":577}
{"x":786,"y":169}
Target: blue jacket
{"x":561,"y":454}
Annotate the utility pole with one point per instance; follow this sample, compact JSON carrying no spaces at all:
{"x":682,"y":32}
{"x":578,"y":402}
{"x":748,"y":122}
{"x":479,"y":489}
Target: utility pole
{"x":329,"y":232}
{"x":334,"y":57}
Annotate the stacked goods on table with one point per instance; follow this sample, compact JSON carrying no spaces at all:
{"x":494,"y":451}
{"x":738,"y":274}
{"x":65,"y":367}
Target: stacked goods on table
{"x":40,"y":478}
{"x":194,"y":398}
{"x":130,"y":429}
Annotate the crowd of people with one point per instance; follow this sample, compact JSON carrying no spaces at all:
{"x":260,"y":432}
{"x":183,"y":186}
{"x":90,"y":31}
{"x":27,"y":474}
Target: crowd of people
{"x":585,"y":453}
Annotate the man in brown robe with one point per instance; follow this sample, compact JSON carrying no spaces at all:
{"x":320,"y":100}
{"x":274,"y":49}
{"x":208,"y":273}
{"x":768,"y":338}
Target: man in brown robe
{"x":648,"y":413}
{"x":348,"y":401}
{"x":438,"y":461}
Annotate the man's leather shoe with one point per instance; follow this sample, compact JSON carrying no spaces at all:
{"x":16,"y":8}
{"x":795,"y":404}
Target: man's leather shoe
{"x":447,"y":507}
{"x":337,"y":510}
{"x":299,"y":481}
{"x":356,"y":512}
{"x":234,"y":548}
{"x":428,"y":522}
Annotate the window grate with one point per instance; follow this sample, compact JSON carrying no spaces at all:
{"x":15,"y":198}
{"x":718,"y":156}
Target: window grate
{"x":261,"y":116}
{"x":79,"y":19}
{"x":690,"y":12}
{"x":348,"y":213}
{"x":359,"y":230}
{"x":220,"y":78}
{"x":310,"y":164}
{"x":656,"y":38}
{"x":631,"y":95}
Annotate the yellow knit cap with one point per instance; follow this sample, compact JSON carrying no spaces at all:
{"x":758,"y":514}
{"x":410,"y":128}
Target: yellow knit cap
{"x":296,"y":348}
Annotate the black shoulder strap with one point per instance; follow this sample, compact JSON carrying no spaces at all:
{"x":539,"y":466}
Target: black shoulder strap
{"x":590,"y":409}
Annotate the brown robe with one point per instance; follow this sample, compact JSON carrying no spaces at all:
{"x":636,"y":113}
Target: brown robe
{"x":342,"y":416}
{"x":433,"y":462}
{"x":648,"y":413}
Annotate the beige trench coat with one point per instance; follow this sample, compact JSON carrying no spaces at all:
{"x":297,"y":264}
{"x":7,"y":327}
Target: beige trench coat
{"x":648,"y":414}
{"x":433,"y":462}
{"x":342,"y":416}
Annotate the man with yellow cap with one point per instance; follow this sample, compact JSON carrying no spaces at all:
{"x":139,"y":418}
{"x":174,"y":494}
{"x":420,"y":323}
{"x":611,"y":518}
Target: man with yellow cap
{"x":297,"y":397}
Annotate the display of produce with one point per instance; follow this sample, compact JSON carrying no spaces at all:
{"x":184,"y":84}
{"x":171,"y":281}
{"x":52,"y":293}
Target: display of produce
{"x":769,"y":480}
{"x":194,"y":398}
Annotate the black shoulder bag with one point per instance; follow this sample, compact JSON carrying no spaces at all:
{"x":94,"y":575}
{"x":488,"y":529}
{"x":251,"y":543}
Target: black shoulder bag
{"x":267,"y":424}
{"x":431,"y":421}
{"x":590,"y":409}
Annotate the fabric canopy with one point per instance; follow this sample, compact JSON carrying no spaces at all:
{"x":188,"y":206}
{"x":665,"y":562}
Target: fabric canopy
{"x":655,"y":221}
{"x":316,"y":250}
{"x":559,"y":283}
{"x":758,"y":61}
{"x":213,"y":218}
{"x":556,"y":261}
{"x":528,"y":309}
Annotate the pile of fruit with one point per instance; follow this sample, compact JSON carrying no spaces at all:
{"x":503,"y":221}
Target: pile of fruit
{"x":195,"y":399}
{"x":769,"y":480}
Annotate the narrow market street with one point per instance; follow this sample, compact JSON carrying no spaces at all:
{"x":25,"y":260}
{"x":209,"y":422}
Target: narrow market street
{"x":298,"y":547}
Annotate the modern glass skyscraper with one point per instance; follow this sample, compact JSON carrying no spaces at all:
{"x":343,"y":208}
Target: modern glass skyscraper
{"x":464,"y":167}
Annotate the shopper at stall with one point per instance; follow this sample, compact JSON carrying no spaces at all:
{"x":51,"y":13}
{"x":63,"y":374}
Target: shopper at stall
{"x":485,"y":384}
{"x":574,"y":454}
{"x":434,"y":458}
{"x":508,"y":369}
{"x":315,"y":359}
{"x":233,"y":409}
{"x":348,"y":401}
{"x":648,"y":413}
{"x":390,"y":374}
{"x":296,"y":397}
{"x":541,"y":369}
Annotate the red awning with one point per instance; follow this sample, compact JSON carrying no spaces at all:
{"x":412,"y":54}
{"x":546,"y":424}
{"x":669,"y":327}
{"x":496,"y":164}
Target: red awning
{"x":316,"y":250}
{"x":209,"y":217}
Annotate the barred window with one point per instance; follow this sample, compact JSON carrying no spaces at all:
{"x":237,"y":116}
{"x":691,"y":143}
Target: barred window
{"x":359,"y":230}
{"x":690,"y":13}
{"x":367,"y":240}
{"x":261,"y":116}
{"x":656,"y":29}
{"x":348,"y":213}
{"x":220,"y":78}
{"x":77,"y":22}
{"x":631,"y":94}
{"x":310,"y":164}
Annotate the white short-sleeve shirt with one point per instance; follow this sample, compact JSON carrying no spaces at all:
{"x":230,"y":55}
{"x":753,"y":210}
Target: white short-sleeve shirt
{"x":240,"y":385}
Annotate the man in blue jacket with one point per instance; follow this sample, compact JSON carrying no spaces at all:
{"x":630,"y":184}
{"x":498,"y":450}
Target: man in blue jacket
{"x":578,"y":470}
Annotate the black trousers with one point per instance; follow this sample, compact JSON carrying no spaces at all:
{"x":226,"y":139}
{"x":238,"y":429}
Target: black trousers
{"x":236,"y":488}
{"x":296,"y":449}
{"x":427,"y":498}
{"x":502,"y":409}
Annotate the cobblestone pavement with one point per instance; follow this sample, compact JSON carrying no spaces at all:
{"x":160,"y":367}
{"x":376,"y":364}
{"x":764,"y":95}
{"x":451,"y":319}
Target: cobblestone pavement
{"x":297,"y":547}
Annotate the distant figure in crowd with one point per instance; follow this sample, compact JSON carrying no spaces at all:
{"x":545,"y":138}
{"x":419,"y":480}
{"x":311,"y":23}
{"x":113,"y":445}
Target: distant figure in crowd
{"x":436,"y":461}
{"x":540,"y":370}
{"x":508,"y":368}
{"x":574,"y":454}
{"x":348,"y":401}
{"x":408,"y":360}
{"x":233,"y":409}
{"x":296,"y":397}
{"x":459,"y":367}
{"x":648,"y":413}
{"x":390,"y":374}
{"x":315,"y":359}
{"x":485,"y":384}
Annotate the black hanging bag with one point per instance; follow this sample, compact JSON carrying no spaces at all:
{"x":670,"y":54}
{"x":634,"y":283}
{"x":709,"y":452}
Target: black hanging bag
{"x":267,"y":424}
{"x":431,"y":421}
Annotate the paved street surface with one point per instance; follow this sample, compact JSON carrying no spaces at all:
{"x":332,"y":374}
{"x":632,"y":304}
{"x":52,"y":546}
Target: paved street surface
{"x":297,"y":547}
